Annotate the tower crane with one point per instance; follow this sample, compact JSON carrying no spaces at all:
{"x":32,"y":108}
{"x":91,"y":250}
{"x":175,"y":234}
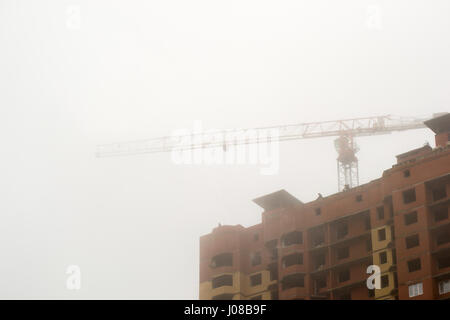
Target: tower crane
{"x":345,"y":130}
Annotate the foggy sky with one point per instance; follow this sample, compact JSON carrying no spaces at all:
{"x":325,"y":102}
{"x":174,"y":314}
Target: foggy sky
{"x":126,"y":70}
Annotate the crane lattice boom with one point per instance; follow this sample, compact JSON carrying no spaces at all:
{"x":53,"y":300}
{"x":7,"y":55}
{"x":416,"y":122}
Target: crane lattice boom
{"x":209,"y":139}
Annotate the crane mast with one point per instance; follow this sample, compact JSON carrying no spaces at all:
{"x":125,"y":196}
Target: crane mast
{"x":346,"y":130}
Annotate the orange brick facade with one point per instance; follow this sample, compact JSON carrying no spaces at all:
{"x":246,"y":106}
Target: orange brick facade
{"x":321,"y":249}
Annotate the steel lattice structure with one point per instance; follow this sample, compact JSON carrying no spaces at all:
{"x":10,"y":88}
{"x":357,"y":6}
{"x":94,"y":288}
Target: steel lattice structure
{"x":346,"y":130}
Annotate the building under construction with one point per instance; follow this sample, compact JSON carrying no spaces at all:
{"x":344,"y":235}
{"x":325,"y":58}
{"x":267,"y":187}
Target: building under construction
{"x":322,"y":249}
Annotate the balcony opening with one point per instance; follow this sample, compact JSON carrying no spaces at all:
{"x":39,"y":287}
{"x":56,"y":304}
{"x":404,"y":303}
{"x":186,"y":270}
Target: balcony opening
{"x":221,"y":281}
{"x":439,"y":193}
{"x":273,"y":271}
{"x":410,"y":218}
{"x":320,"y":283}
{"x":342,"y":230}
{"x":384,"y":281}
{"x":382,"y":234}
{"x":444,"y":286}
{"x":412,"y":241}
{"x":440,"y":213}
{"x":383,"y":257}
{"x":380,"y":213}
{"x":224,"y":296}
{"x":222,"y":260}
{"x":444,"y":262}
{"x":274,"y":295}
{"x":344,"y":275}
{"x":292,"y":238}
{"x":317,"y":237}
{"x":343,"y":253}
{"x":319,"y":261}
{"x":409,"y":196}
{"x":255,"y":280}
{"x":296,"y":280}
{"x":271,"y":244}
{"x":293,"y":259}
{"x":255,"y":258}
{"x":443,"y":238}
{"x":414,"y":265}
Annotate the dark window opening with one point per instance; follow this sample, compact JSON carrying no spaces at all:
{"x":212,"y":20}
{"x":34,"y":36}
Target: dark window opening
{"x":318,"y":211}
{"x":381,"y":234}
{"x":344,"y":275}
{"x":383,"y":257}
{"x":256,"y":237}
{"x":256,"y":258}
{"x":274,"y":254}
{"x":409,"y":196}
{"x":410,"y":218}
{"x":224,"y":296}
{"x":380,"y":213}
{"x":255,"y":279}
{"x":342,"y":230}
{"x":406,"y":173}
{"x":414,"y":265}
{"x":369,"y":245}
{"x":359,"y":198}
{"x":439,"y":193}
{"x":293,"y":259}
{"x":295,"y":237}
{"x":222,"y":260}
{"x":273,"y":272}
{"x":444,"y":262}
{"x":367,"y":222}
{"x":441,"y":213}
{"x":293,"y":281}
{"x":343,"y":253}
{"x":443,"y":238}
{"x":220,"y":281}
{"x":394,"y":256}
{"x":412,"y":241}
{"x":384,"y":281}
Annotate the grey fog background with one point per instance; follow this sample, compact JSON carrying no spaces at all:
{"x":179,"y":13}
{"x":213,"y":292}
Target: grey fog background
{"x":138,"y":69}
